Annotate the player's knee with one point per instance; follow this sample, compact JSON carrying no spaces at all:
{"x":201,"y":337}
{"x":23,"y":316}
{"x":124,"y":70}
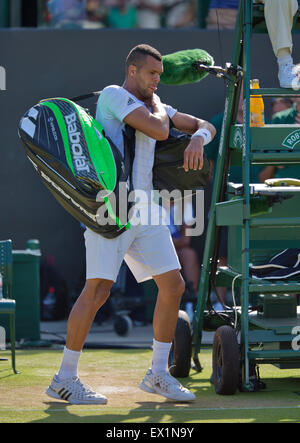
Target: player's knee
{"x":97,"y":291}
{"x":102,"y":293}
{"x":176,"y":290}
{"x":181,"y":288}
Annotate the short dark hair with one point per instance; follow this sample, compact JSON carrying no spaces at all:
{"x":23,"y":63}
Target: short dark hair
{"x":138,"y":54}
{"x":285,"y":100}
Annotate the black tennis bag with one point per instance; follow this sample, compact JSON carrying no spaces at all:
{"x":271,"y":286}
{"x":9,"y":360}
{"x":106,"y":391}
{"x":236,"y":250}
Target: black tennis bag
{"x":81,"y":167}
{"x":168,"y":171}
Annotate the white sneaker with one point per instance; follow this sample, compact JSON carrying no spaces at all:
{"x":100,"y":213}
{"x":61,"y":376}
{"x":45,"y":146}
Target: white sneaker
{"x":166,"y":385}
{"x":289,"y":76}
{"x":75,"y":392}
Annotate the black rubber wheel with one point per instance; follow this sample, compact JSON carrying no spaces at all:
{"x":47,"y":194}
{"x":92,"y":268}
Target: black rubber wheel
{"x":181,"y":350}
{"x":122,"y":324}
{"x":226,"y":361}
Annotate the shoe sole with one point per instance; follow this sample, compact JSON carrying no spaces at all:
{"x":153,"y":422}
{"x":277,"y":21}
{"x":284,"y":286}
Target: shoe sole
{"x":51,"y":393}
{"x":146,"y":388}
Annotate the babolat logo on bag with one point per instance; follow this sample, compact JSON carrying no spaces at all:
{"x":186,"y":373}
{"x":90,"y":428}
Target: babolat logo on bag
{"x":77,"y":163}
{"x":79,"y":159}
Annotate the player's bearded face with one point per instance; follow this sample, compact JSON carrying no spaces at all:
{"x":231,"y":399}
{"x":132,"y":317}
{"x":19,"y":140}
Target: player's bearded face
{"x":147,"y":77}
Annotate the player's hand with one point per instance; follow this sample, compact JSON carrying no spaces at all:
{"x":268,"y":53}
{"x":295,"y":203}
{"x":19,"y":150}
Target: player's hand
{"x":154,"y":101}
{"x":193,"y":155}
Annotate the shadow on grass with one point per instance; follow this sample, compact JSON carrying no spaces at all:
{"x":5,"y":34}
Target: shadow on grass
{"x":172,"y":413}
{"x":4,"y":371}
{"x":158,"y":414}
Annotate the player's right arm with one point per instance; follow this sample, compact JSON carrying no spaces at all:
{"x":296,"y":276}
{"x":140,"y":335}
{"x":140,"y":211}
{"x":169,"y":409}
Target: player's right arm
{"x":116,"y":102}
{"x":154,"y":124}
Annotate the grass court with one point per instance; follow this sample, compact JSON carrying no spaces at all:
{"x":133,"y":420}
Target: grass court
{"x":117,"y":373}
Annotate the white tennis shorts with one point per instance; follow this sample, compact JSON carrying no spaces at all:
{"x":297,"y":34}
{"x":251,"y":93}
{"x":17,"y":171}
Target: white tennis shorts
{"x":147,"y":250}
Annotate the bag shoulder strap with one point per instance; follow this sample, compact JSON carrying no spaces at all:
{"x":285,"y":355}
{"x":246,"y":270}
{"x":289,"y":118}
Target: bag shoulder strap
{"x":85,"y":96}
{"x":128,"y":136}
{"x":129,"y":149}
{"x":171,"y":123}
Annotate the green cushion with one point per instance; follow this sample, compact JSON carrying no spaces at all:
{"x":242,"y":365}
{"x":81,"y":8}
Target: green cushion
{"x":179,"y":69}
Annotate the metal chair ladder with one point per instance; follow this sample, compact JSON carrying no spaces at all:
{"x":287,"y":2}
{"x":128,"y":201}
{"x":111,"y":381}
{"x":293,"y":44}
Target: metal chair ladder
{"x":240,"y":144}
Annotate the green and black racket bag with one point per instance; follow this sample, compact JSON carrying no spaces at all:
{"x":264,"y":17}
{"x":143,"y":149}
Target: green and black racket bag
{"x":75,"y":160}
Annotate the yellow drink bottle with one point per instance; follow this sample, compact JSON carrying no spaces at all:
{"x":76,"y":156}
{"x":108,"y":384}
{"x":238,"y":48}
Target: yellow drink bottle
{"x":257,"y":108}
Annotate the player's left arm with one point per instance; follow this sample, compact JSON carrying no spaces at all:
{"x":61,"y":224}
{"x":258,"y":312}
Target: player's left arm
{"x":202,"y":132}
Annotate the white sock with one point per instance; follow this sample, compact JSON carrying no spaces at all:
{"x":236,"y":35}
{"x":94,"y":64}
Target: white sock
{"x":69,"y":364}
{"x":160,"y":356}
{"x":285,"y":60}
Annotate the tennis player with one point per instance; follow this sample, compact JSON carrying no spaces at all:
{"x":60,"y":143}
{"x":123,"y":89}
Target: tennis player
{"x":147,"y":249}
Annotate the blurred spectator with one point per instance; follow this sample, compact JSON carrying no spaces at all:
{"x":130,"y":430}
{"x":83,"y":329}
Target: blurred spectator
{"x":149,"y":13}
{"x":121,"y":14}
{"x":179,"y":14}
{"x":167,"y":13}
{"x":280,"y":104}
{"x":65,"y":13}
{"x":187,"y":255}
{"x":222,"y":14}
{"x":96,"y":13}
{"x":211,"y":150}
{"x":290,"y":116}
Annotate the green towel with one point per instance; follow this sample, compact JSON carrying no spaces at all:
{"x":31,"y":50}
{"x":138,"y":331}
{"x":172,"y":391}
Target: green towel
{"x":179,"y":69}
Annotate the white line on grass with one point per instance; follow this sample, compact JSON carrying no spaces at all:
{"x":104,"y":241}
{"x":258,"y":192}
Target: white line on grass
{"x":125,"y":410}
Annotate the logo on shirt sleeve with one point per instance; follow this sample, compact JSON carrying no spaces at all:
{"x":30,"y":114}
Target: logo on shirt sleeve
{"x":130,"y":101}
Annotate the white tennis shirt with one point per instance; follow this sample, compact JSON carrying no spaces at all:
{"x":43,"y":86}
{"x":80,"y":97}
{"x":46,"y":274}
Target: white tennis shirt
{"x":114,"y":104}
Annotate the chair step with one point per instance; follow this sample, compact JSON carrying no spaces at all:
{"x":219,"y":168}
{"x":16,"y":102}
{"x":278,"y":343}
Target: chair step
{"x":257,"y":336}
{"x":275,"y":92}
{"x":235,"y":212}
{"x":282,"y":222}
{"x":282,"y":141}
{"x":271,"y":287}
{"x":226,"y":275}
{"x":275,"y":158}
{"x":282,"y":354}
{"x":260,"y":189}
